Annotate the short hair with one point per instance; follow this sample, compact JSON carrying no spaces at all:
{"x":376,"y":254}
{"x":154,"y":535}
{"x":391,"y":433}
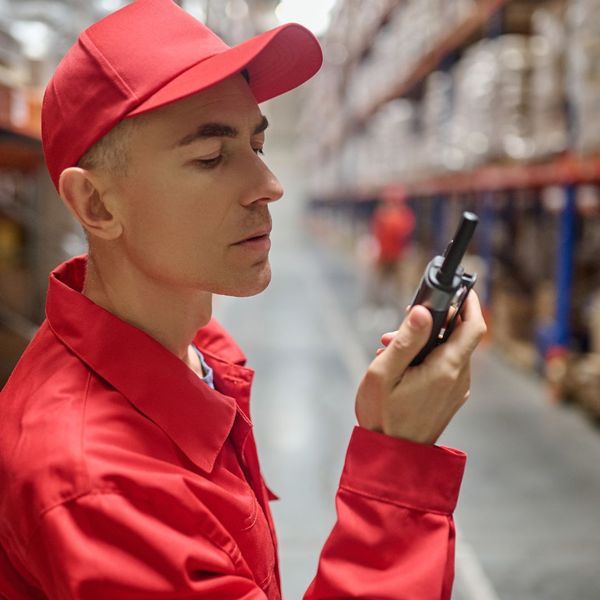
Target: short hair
{"x":111,"y":152}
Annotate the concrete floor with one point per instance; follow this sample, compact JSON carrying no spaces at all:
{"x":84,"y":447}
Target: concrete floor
{"x":529,"y":512}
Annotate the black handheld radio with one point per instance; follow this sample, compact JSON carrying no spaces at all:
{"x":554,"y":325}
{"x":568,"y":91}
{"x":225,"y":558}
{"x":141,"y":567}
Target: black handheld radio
{"x":445,"y":285}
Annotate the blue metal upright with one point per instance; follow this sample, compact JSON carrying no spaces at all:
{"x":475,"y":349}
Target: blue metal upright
{"x":564,"y":268}
{"x":486,"y":226}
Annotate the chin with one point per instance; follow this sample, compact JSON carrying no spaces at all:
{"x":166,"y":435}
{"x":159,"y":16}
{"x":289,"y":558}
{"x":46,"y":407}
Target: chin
{"x":250,"y":287}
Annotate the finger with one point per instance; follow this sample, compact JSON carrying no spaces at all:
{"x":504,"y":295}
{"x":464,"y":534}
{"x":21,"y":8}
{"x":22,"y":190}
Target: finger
{"x":468,"y":332}
{"x":379,"y":351}
{"x":411,"y":336}
{"x":472,"y":308}
{"x":386,"y":338}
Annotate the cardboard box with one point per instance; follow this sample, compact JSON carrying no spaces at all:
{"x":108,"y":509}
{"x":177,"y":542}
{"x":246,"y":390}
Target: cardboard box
{"x":584,"y":386}
{"x":512,"y":316}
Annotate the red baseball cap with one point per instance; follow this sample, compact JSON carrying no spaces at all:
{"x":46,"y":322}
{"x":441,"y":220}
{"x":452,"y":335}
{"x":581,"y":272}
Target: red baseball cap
{"x":151,"y":53}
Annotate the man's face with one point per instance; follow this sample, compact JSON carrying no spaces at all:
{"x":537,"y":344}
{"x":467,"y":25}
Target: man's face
{"x":195,"y":189}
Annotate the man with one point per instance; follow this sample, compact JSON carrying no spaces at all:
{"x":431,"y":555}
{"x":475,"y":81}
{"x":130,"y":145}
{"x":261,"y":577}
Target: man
{"x":128,"y":463}
{"x":392,"y":226}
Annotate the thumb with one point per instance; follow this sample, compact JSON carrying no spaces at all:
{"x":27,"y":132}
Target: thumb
{"x":411,"y":336}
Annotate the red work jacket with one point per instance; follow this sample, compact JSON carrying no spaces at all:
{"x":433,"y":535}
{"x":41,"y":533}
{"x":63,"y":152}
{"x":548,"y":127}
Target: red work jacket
{"x":123,"y":475}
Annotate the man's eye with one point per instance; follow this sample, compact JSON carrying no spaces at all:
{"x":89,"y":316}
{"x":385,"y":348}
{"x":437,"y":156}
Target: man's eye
{"x":258,"y":150}
{"x":209,"y":163}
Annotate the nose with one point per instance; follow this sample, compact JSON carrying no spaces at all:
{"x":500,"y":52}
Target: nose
{"x":264,"y":186}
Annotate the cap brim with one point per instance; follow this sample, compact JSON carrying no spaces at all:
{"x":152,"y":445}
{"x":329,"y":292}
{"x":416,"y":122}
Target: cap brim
{"x":277,"y":61}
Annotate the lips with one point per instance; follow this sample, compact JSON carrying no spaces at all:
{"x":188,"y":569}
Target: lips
{"x":256,"y":235}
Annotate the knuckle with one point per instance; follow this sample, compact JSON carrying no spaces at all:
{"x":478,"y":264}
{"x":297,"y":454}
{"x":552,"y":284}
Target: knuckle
{"x":374,"y":377}
{"x":448,"y":373}
{"x":483,"y":329}
{"x":400,"y":342}
{"x":478,"y":332}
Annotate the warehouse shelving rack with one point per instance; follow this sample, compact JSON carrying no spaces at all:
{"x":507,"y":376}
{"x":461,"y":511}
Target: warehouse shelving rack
{"x":21,"y":159}
{"x":425,"y":65}
{"x":482,"y":184}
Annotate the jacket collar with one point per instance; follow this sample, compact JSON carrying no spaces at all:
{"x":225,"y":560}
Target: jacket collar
{"x":160,"y":385}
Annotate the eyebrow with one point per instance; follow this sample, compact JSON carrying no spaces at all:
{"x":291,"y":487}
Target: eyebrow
{"x":212,"y":130}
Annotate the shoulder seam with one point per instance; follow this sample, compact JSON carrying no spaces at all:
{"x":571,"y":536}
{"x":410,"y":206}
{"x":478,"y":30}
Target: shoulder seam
{"x":46,"y":510}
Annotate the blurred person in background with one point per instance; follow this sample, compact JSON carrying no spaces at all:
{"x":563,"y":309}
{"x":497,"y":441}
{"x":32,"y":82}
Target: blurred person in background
{"x":392,"y":226}
{"x":128,"y":465}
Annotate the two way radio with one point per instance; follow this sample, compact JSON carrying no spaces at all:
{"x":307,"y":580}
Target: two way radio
{"x":445,"y":285}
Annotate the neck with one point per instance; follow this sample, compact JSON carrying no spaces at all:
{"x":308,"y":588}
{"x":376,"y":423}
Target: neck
{"x":168,"y":314}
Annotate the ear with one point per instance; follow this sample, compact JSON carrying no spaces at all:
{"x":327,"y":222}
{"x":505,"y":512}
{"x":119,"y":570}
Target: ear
{"x":80,"y":192}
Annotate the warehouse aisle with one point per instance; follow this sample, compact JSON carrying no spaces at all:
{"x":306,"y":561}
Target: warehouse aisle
{"x":528,"y":514}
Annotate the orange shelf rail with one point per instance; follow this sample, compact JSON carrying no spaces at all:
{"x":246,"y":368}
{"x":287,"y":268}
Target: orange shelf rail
{"x":560,"y":171}
{"x":567,"y":169}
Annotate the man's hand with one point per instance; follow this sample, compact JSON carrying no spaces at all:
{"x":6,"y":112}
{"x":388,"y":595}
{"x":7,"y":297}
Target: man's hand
{"x":417,"y":403}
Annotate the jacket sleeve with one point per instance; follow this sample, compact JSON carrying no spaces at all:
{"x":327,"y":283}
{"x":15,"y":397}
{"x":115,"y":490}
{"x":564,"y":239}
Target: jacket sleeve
{"x":394,"y":535}
{"x":107,"y":546}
